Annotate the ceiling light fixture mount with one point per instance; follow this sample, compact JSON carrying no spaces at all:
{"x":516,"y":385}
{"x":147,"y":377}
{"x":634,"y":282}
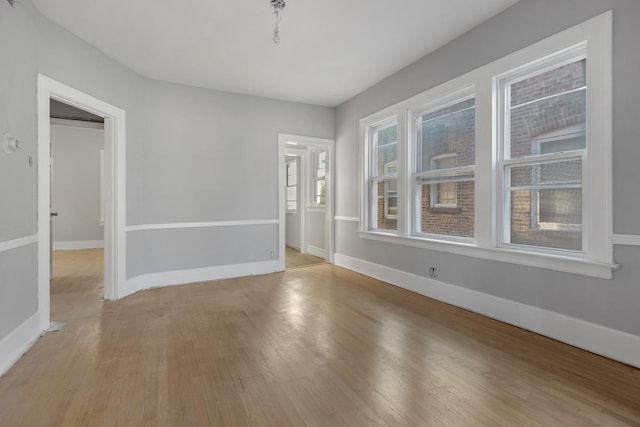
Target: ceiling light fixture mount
{"x":278,"y":6}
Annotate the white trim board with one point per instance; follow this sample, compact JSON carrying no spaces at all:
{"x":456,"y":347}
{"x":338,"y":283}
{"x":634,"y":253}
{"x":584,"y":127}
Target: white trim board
{"x":598,"y":339}
{"x":8,"y":245}
{"x":195,"y":275}
{"x":626,"y":239}
{"x":18,"y":342}
{"x":79,"y":244}
{"x":176,"y":225}
{"x":316,"y":251}
{"x":347,"y":218}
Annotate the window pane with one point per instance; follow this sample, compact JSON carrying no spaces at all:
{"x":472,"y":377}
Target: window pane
{"x":320,"y":190}
{"x":559,"y":80}
{"x":387,"y":148}
{"x":292,"y":173}
{"x":292,"y":206}
{"x":546,"y":204}
{"x":458,"y":220}
{"x":386,"y":209}
{"x":446,"y":137}
{"x":291,"y":193}
{"x":530,"y":207}
{"x":536,"y":127}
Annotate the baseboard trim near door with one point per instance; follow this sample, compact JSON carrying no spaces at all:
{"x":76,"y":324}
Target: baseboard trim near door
{"x":205,"y":274}
{"x":18,"y":342}
{"x":316,"y":251}
{"x":611,"y":343}
{"x":78,"y":244}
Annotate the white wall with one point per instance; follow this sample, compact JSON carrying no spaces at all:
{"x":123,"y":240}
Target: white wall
{"x":75,"y":189}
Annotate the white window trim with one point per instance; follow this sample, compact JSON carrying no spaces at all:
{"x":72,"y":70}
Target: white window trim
{"x":314,"y":178}
{"x":597,"y":261}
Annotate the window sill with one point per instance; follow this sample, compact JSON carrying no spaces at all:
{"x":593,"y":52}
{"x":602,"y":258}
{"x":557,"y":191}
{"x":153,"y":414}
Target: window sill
{"x":444,"y":210}
{"x":567,"y":264}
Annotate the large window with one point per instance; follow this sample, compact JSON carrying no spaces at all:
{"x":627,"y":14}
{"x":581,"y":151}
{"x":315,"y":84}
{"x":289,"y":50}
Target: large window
{"x":509,"y":162}
{"x":383,"y":180}
{"x":543,"y":152}
{"x":445,"y":157}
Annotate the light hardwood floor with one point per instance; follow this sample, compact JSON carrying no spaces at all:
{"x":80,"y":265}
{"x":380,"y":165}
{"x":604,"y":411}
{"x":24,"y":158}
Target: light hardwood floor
{"x":295,"y":259}
{"x":313,"y":346}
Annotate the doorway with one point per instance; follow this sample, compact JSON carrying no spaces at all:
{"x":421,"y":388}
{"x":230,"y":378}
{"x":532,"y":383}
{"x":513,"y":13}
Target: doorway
{"x":113,"y":188}
{"x":306,"y":200}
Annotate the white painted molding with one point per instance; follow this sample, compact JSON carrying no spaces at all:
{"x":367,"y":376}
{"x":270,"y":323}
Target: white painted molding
{"x":316,"y":251}
{"x":347,"y":218}
{"x":18,"y":342}
{"x":175,"y":225}
{"x":18,"y":243}
{"x":598,"y":339}
{"x":626,"y":239}
{"x":183,"y":277}
{"x":79,"y":244}
{"x":77,"y":124}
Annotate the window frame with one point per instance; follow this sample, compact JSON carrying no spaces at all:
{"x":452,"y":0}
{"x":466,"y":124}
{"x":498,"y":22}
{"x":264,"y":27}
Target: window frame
{"x":315,"y":178}
{"x":435,"y":188}
{"x":597,"y":257}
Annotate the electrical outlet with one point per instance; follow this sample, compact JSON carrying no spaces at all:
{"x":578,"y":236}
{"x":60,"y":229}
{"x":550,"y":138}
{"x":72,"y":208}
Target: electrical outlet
{"x":433,"y":272}
{"x":272,"y":255}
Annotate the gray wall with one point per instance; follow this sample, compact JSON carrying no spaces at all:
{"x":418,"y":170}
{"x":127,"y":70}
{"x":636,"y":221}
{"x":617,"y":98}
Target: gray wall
{"x":192,"y":155}
{"x":75,"y":183}
{"x":212,"y":156}
{"x":18,"y":181}
{"x":611,"y":303}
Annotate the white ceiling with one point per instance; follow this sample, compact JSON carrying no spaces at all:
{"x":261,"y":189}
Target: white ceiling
{"x":330,"y":49}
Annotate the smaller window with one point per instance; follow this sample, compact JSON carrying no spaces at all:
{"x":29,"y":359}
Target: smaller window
{"x":292,"y":186}
{"x":319,"y":180}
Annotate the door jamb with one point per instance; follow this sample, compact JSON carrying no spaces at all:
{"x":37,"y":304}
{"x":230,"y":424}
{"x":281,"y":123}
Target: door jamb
{"x":307,"y":141}
{"x":115,"y":189}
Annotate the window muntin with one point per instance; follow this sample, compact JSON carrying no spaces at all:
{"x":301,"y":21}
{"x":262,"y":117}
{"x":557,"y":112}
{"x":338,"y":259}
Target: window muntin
{"x":542,"y":163}
{"x":292,"y":186}
{"x":383,"y":182}
{"x":319,"y":180}
{"x":445,"y":157}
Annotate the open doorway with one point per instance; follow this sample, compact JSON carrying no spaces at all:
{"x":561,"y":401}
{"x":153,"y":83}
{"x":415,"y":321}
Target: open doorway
{"x":77,"y":141}
{"x":306,"y":200}
{"x":113,"y":186}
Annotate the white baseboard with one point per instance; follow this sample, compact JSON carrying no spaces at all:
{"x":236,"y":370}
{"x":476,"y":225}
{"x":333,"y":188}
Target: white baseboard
{"x":183,"y":277}
{"x":316,"y":251}
{"x":79,"y":244}
{"x":18,"y":342}
{"x":598,"y":339}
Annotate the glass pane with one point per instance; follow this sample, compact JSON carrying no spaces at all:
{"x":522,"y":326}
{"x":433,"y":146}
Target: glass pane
{"x":548,"y":125}
{"x":446,"y":137}
{"x":320,"y":173}
{"x":320,"y":191}
{"x":386,"y":209}
{"x":292,"y":173}
{"x":387,"y":148}
{"x":457,"y":220}
{"x":292,"y":206}
{"x":291,"y":193}
{"x":558,"y":80}
{"x":547,"y":218}
{"x":545,"y":174}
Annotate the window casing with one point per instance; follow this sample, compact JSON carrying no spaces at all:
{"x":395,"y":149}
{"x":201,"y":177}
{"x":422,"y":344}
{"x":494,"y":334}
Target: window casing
{"x":563,"y":176}
{"x":382,"y":183}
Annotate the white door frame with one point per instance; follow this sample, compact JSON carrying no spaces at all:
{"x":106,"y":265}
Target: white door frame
{"x":306,"y":141}
{"x":114,"y":186}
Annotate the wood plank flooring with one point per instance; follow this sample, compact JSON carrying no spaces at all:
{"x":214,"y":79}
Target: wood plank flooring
{"x":318,"y":346}
{"x":295,"y":259}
